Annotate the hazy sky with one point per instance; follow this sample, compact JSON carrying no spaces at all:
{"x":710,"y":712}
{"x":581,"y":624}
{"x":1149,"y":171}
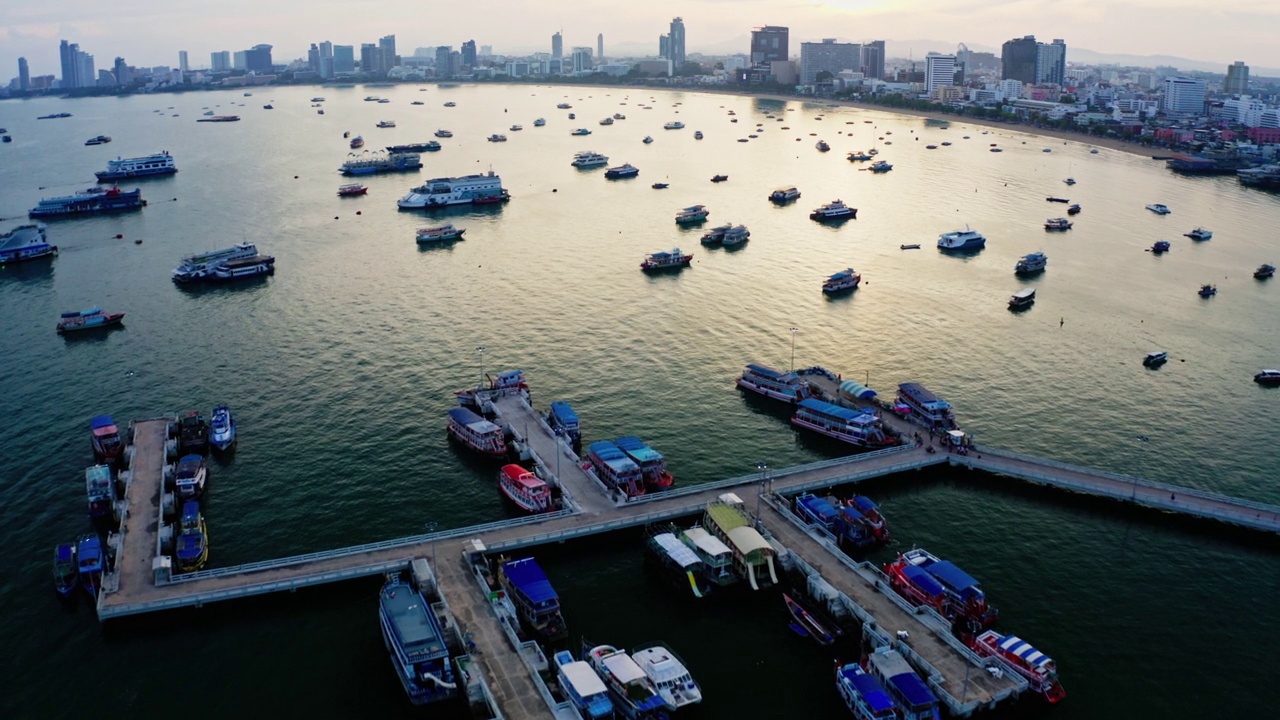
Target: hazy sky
{"x":152,"y":32}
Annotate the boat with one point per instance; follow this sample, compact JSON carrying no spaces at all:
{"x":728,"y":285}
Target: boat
{"x":686,"y":568}
{"x":98,"y":140}
{"x":773,"y":383}
{"x":443,"y":134}
{"x":692,"y":214}
{"x":536,"y":602}
{"x":91,"y":319}
{"x":476,"y":433}
{"x":715,"y":235}
{"x":660,"y":186}
{"x":191,"y":546}
{"x":580,"y":131}
{"x":805,"y":624}
{"x":1264,"y":271}
{"x":994,"y":149}
{"x":1159,"y":209}
{"x":1093,"y":151}
{"x":317,"y":99}
{"x":357,"y":142}
{"x":101,"y":492}
{"x":634,"y":695}
{"x":1057,"y":224}
{"x":664,"y":260}
{"x":914,"y":699}
{"x":719,"y":178}
{"x":572,"y":116}
{"x":863,"y":694}
{"x":784,"y":195}
{"x":673,"y":125}
{"x":539,"y":122}
{"x":1022,"y":299}
{"x":193,"y":433}
{"x":54,"y":116}
{"x":647,"y":140}
{"x":822,"y":146}
{"x":564,"y":423}
{"x":1070,"y":181}
{"x":1269,"y":378}
{"x":669,"y":675}
{"x":525,"y":489}
{"x":220,"y":118}
{"x":930,"y":147}
{"x":1035,"y":667}
{"x":563,"y":106}
{"x":352,"y":190}
{"x":465,"y":190}
{"x":1031,"y":264}
{"x":408,"y":614}
{"x":429,"y":146}
{"x":880,"y":166}
{"x":439,"y":233}
{"x":924,"y":579}
{"x":126,"y":168}
{"x":815,"y":510}
{"x":583,"y":687}
{"x":619,"y":116}
{"x":509,"y":382}
{"x":858,"y":427}
{"x":242,"y":268}
{"x":105,"y":438}
{"x":946,"y":144}
{"x":909,"y":246}
{"x":497,"y":138}
{"x":222,"y":428}
{"x":386,"y":123}
{"x":379,"y":162}
{"x":752,"y":554}
{"x":1073,"y":209}
{"x":620,"y":172}
{"x":1207,"y":291}
{"x":88,"y":202}
{"x":617,"y":471}
{"x":1199,"y":234}
{"x":515,"y":128}
{"x":735,"y":236}
{"x":844,"y":281}
{"x":190,"y":476}
{"x":716,"y":557}
{"x":697,"y":135}
{"x":65,"y":570}
{"x":653,"y":466}
{"x":201,"y":266}
{"x":858,"y":156}
{"x":925,"y":407}
{"x":451,"y":104}
{"x":966,"y":239}
{"x":1155,"y":358}
{"x":607,"y":121}
{"x":91,"y":563}
{"x":1057,"y":199}
{"x":1160,"y":246}
{"x":833,"y":211}
{"x":588,"y":158}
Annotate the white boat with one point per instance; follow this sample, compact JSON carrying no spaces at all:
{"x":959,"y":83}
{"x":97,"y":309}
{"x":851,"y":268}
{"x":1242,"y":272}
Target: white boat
{"x":464,"y":190}
{"x":735,"y":236}
{"x":25,"y":242}
{"x":692,"y":214}
{"x":539,"y":122}
{"x":1031,"y":264}
{"x":1022,"y":299}
{"x":123,"y":168}
{"x":1159,"y":209}
{"x":584,"y":688}
{"x":784,"y":195}
{"x":1155,"y":358}
{"x":1199,"y":234}
{"x":201,"y":266}
{"x":440,"y":233}
{"x":589,"y":158}
{"x":966,"y":239}
{"x":387,"y":123}
{"x":244,"y":268}
{"x":674,"y":125}
{"x":674,"y":682}
{"x":632,"y":692}
{"x":607,"y":121}
{"x":516,"y":128}
{"x":443,"y":134}
{"x":842,"y":281}
{"x":835,"y":210}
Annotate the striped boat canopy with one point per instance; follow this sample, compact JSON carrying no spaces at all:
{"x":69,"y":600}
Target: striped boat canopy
{"x":1017,"y":646}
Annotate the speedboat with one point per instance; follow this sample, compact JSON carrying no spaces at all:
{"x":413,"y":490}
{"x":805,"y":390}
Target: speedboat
{"x":784,"y":195}
{"x":190,"y":476}
{"x":1199,"y":234}
{"x":92,"y":562}
{"x":668,"y":673}
{"x":65,"y":572}
{"x":626,"y":170}
{"x":647,"y":140}
{"x":966,"y":239}
{"x":1264,"y":271}
{"x":584,"y":688}
{"x":822,"y":146}
{"x":1270,"y":378}
{"x":719,"y":178}
{"x":451,"y":104}
{"x":1155,"y":358}
{"x":191,"y":549}
{"x":1208,"y":291}
{"x":222,"y":428}
{"x":1160,"y":246}
{"x":580,"y":131}
{"x":1031,"y":264}
{"x":1159,"y":209}
{"x":440,"y":233}
{"x":1057,"y":224}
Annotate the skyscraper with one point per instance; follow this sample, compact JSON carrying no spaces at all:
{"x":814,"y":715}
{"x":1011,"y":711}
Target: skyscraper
{"x":387,"y":44}
{"x":183,"y":65}
{"x":557,"y":46}
{"x":370,"y":58}
{"x":1051,"y":62}
{"x":344,"y":59}
{"x":939,"y":71}
{"x":258,"y":59}
{"x":67,"y":52}
{"x":582,"y":59}
{"x":469,"y":53}
{"x":1018,"y":59}
{"x":443,"y":61}
{"x":677,"y":43}
{"x":24,"y":75}
{"x":86,"y":76}
{"x":313,"y":58}
{"x":769,"y":44}
{"x":664,"y":46}
{"x":124,"y":76}
{"x":1183,"y":96}
{"x":600,"y":46}
{"x":240,"y":60}
{"x":873,"y":59}
{"x":827,"y":56}
{"x":1237,"y":82}
{"x":220,"y":61}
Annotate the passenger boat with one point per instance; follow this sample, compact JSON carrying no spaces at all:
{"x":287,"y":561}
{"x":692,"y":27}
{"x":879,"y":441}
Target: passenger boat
{"x":914,"y":699}
{"x":844,"y":281}
{"x":606,"y":121}
{"x":773,"y":383}
{"x":580,"y":132}
{"x":92,"y":563}
{"x":805,"y":624}
{"x":54,"y":116}
{"x":90,"y":201}
{"x":663,"y":260}
{"x":1031,"y":264}
{"x":923,"y":579}
{"x":752,"y":554}
{"x":1024,"y":298}
{"x":966,"y":239}
{"x":439,"y":233}
{"x":91,"y":319}
{"x":822,"y":146}
{"x":1057,"y":224}
{"x":928,"y":409}
{"x":1037,"y":668}
{"x":1199,"y":234}
{"x":832,"y":211}
{"x":1264,"y":271}
{"x":101,"y":491}
{"x":476,"y":433}
{"x":65,"y":571}
{"x":190,"y":476}
{"x":653,"y":466}
{"x":735,"y":236}
{"x":443,"y":134}
{"x":615,"y":469}
{"x":647,"y":139}
{"x":681,"y":562}
{"x":589,"y":158}
{"x":784,"y":195}
{"x":386,"y":123}
{"x":98,"y":140}
{"x":372,"y":163}
{"x":1073,"y":209}
{"x":633,"y":693}
{"x":1160,"y":246}
{"x":583,"y":687}
{"x":564,"y":422}
{"x":1057,"y":199}
{"x":719,"y":178}
{"x":193,"y":433}
{"x":880,"y":166}
{"x":525,"y":489}
{"x":497,"y":138}
{"x":715,"y":235}
{"x":859,"y":524}
{"x":415,"y":638}
{"x":539,"y":122}
{"x":352,"y":190}
{"x":692,"y":214}
{"x":1207,"y":291}
{"x":858,"y":156}
{"x":127,"y":168}
{"x":815,"y":510}
{"x":105,"y":438}
{"x":536,"y":602}
{"x":191,"y":547}
{"x":863,"y":694}
{"x":200,"y":267}
{"x":222,"y":428}
{"x":860,"y":428}
{"x":356,"y":143}
{"x":674,"y":125}
{"x":619,"y":116}
{"x":1268,"y":378}
{"x":1159,"y":209}
{"x":465,"y":190}
{"x":25,"y":242}
{"x":1155,"y":358}
{"x":622,"y":171}
{"x":716,"y":557}
{"x":429,"y":146}
{"x":669,"y":675}
{"x":240,"y":268}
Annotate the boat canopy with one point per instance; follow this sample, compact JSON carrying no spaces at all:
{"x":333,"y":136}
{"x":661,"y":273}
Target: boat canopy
{"x":766,"y":371}
{"x":913,"y":689}
{"x":922,"y":396}
{"x":748,"y":540}
{"x":62,"y":553}
{"x":726,"y":517}
{"x":818,"y":507}
{"x":865,"y":504}
{"x":528,"y":578}
{"x":564,"y":414}
{"x":98,"y":476}
{"x":1021,"y":648}
{"x":953,"y":577}
{"x":707,"y":543}
{"x":849,"y":415}
{"x":637,"y":450}
{"x":857,"y":390}
{"x":189,"y":464}
{"x":622,"y":667}
{"x":923,"y":580}
{"x":676,"y":550}
{"x":583,"y":679}
{"x":190,"y":511}
{"x":869,"y":688}
{"x":510,"y":378}
{"x":102,"y":422}
{"x":609,"y":454}
{"x":463,"y":416}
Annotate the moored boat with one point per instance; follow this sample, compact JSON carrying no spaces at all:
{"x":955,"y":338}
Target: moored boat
{"x":667,"y":672}
{"x":190,"y":476}
{"x":716,"y":557}
{"x":26,"y":242}
{"x":193,"y":433}
{"x":1160,"y":246}
{"x":104,"y":435}
{"x":664,"y":260}
{"x":222,"y":428}
{"x":863,"y":694}
{"x":1155,"y":358}
{"x":805,"y":624}
{"x":476,"y":433}
{"x":191,"y":547}
{"x":1267,"y":378}
{"x":588,"y":159}
{"x":564,"y":422}
{"x":1037,"y":668}
{"x":844,"y":281}
{"x":429,"y":146}
{"x":1199,"y":234}
{"x":715,"y":235}
{"x":653,"y":466}
{"x":784,"y":195}
{"x":372,"y":163}
{"x":536,"y":602}
{"x":752,"y":554}
{"x":860,"y":428}
{"x":1023,"y":298}
{"x":735,"y":236}
{"x":439,"y":233}
{"x":92,"y":563}
{"x":1264,"y":271}
{"x":692,"y":214}
{"x":1057,"y":224}
{"x":632,"y":692}
{"x":465,"y":190}
{"x":1031,"y":264}
{"x":832,"y":211}
{"x":773,"y":383}
{"x":352,"y":190}
{"x":100,"y":489}
{"x":583,"y":687}
{"x":925,"y":407}
{"x":525,"y":489}
{"x":89,"y":201}
{"x":65,"y":570}
{"x":244,"y":268}
{"x":914,"y":699}
{"x":415,"y":638}
{"x":967,"y":239}
{"x":127,"y":168}
{"x":622,"y":171}
{"x":91,"y":319}
{"x":617,"y":471}
{"x":924,"y":579}
{"x":683,"y":564}
{"x":815,"y":510}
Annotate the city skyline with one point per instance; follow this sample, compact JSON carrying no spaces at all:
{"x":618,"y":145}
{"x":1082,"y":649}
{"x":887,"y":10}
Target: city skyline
{"x":129,"y":29}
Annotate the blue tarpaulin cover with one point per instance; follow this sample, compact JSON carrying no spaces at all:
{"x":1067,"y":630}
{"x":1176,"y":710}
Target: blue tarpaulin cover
{"x":870,"y":690}
{"x":528,"y":578}
{"x":913,"y":689}
{"x":953,"y":577}
{"x":923,"y":580}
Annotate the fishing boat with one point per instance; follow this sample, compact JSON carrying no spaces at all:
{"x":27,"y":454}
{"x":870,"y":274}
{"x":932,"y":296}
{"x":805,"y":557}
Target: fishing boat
{"x":863,"y":694}
{"x":193,"y":433}
{"x":65,"y":571}
{"x":222,"y":428}
{"x":352,"y":190}
{"x":1207,"y":291}
{"x":735,"y":236}
{"x":90,"y":201}
{"x":415,"y":638}
{"x":673,"y":125}
{"x":105,"y":438}
{"x":1073,"y":209}
{"x":858,"y":524}
{"x":1160,"y":246}
{"x":583,"y":687}
{"x":1264,"y":271}
{"x":525,"y":489}
{"x":617,"y":471}
{"x":871,"y":516}
{"x":660,"y":186}
{"x":924,"y":579}
{"x":508,"y":382}
{"x":92,"y":563}
{"x":606,"y":121}
{"x":914,"y":699}
{"x":386,"y":123}
{"x":844,"y":281}
{"x":1159,"y":209}
{"x":784,"y":195}
{"x":822,"y":146}
{"x":1037,"y":668}
{"x":1199,"y":234}
{"x":563,"y":106}
{"x":356,"y":143}
{"x":1155,"y":358}
{"x":201,"y":266}
{"x":833,"y":211}
{"x":669,"y":675}
{"x":98,"y":140}
{"x":476,"y":433}
{"x":1024,"y":298}
{"x":26,"y":242}
{"x":100,"y":489}
{"x":815,"y":510}
{"x":1267,"y":378}
{"x":1070,"y":181}
{"x":536,"y":602}
{"x":539,"y":122}
{"x":633,"y":693}
{"x":91,"y":319}
{"x":439,"y":233}
{"x":1057,"y":224}
{"x":681,"y":562}
{"x":752,"y":554}
{"x":773,"y":383}
{"x":860,"y":428}
{"x":692,"y":214}
{"x":622,"y":171}
{"x":858,"y":156}
{"x":958,"y":240}
{"x":663,"y":260}
{"x":805,"y":624}
{"x":1031,"y":264}
{"x":191,"y":547}
{"x":241,"y":268}
{"x":653,"y":466}
{"x":190,"y":476}
{"x":564,"y":422}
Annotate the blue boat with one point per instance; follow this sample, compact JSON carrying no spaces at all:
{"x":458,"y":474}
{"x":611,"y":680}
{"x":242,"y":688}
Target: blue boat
{"x":105,"y":437}
{"x":564,"y":421}
{"x":65,"y":571}
{"x":914,"y":699}
{"x":190,"y":477}
{"x":653,"y":467}
{"x":193,"y":539}
{"x":816,"y":510}
{"x":615,"y":469}
{"x":416,"y":642}
{"x":858,"y":427}
{"x":536,"y":602}
{"x":25,"y":242}
{"x":92,"y":563}
{"x":583,"y":687}
{"x":100,"y":488}
{"x":222,"y":428}
{"x":863,"y":694}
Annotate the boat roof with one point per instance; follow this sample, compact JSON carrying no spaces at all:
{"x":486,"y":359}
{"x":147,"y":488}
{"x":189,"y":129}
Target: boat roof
{"x":97,"y":475}
{"x":62,"y":553}
{"x":676,"y":550}
{"x":949,"y":574}
{"x":857,"y":389}
{"x":818,"y":506}
{"x":473,"y":421}
{"x":1017,"y":646}
{"x":102,"y":421}
{"x":846,"y":273}
{"x":769,"y":372}
{"x":923,"y":396}
{"x":1033,"y":256}
{"x":415,"y":623}
{"x":865,"y":503}
{"x":637,"y":450}
{"x":859,"y":416}
{"x":526,"y":575}
{"x":564,"y":413}
{"x":190,"y":510}
{"x":894,"y":667}
{"x":868,"y":687}
{"x":748,"y":540}
{"x":609,"y":454}
{"x":923,"y":580}
{"x":623,"y":667}
{"x":661,"y":664}
{"x":583,"y":679}
{"x":189,"y":463}
{"x":706,"y":542}
{"x":1025,"y":293}
{"x":726,"y":516}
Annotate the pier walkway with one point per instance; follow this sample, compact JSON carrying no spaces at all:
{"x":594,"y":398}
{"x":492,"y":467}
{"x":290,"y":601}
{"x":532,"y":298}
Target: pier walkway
{"x":141,"y":517}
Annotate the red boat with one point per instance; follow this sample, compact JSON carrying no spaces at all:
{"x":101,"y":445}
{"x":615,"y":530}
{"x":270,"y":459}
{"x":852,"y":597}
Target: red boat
{"x":106,"y":439}
{"x":1028,"y":662}
{"x":524,"y":489}
{"x":352,"y":190}
{"x":923,"y":579}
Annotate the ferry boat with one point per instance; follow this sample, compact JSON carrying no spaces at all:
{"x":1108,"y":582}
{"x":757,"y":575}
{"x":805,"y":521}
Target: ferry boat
{"x":580,"y":132}
{"x":222,"y":428}
{"x":464,"y":190}
{"x":104,"y":435}
{"x":525,"y":489}
{"x":773,"y":383}
{"x":564,"y":422}
{"x":125,"y":168}
{"x":415,"y":639}
{"x":663,"y":260}
{"x":835,"y":210}
{"x":692,"y":214}
{"x":536,"y":602}
{"x":1155,"y":358}
{"x":352,"y":190}
{"x":1267,"y":378}
{"x":443,"y":134}
{"x":669,"y":675}
{"x":91,"y":319}
{"x":914,"y":699}
{"x":926,"y":408}
{"x":1160,"y":246}
{"x":653,"y":466}
{"x":716,"y":557}
{"x":858,"y":156}
{"x":1031,"y":264}
{"x":860,"y":428}
{"x":863,"y":694}
{"x":429,"y":146}
{"x":1199,"y":234}
{"x":583,"y":687}
{"x":588,"y":158}
{"x":201,"y":266}
{"x":92,"y":563}
{"x":190,"y":476}
{"x":1264,"y":271}
{"x":98,"y":140}
{"x":680,"y":561}
{"x":1024,"y":298}
{"x":735,"y":236}
{"x":752,"y":554}
{"x":439,"y":233}
{"x":476,"y":433}
{"x":715,"y":235}
{"x":386,"y":123}
{"x":674,"y":125}
{"x":26,"y":242}
{"x":101,"y":491}
{"x":844,"y":281}
{"x":870,"y":516}
{"x":923,"y":579}
{"x":539,"y":122}
{"x":1159,"y":209}
{"x":193,"y":433}
{"x":191,"y":549}
{"x":966,"y":239}
{"x":632,"y":692}
{"x":859,"y":524}
{"x":244,"y":268}
{"x":65,"y":571}
{"x":880,"y":166}
{"x":497,"y":138}
{"x":615,"y":469}
{"x":784,"y":195}
{"x":380,"y":162}
{"x":1057,"y":224}
{"x":815,"y":510}
{"x":1037,"y":668}
{"x":1207,"y":291}
{"x":822,"y":146}
{"x":89,"y":201}
{"x":1073,"y":209}
{"x":622,"y":171}
{"x":356,"y":143}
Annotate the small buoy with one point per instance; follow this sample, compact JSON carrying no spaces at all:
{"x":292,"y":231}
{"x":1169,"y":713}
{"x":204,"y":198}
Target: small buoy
{"x":138,"y":241}
{"x":119,"y":236}
{"x":335,"y":217}
{"x":295,"y":177}
{"x":359,"y":211}
{"x":175,"y":199}
{"x":554,"y":190}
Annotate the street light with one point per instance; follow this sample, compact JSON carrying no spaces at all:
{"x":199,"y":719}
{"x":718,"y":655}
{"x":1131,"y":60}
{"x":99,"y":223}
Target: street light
{"x":480,"y":352}
{"x":431,"y":528}
{"x":763,"y":467}
{"x":794,"y":330}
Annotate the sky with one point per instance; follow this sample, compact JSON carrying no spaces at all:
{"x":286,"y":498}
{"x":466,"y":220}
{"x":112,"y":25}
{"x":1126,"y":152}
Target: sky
{"x":149,"y":33}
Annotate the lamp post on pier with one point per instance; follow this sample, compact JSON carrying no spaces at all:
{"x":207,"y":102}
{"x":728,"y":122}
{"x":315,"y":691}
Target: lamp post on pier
{"x":763,"y":467}
{"x":431,"y":528}
{"x":480,"y":352}
{"x":794,"y":330}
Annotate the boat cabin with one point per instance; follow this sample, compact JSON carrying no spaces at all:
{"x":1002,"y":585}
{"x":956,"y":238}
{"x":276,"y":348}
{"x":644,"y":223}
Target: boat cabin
{"x":912,"y":696}
{"x":752,"y":554}
{"x":535,"y":600}
{"x":926,"y":408}
{"x":716,"y":557}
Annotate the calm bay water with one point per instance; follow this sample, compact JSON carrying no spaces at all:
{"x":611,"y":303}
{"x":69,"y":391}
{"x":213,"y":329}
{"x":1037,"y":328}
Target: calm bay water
{"x":340,"y":369}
